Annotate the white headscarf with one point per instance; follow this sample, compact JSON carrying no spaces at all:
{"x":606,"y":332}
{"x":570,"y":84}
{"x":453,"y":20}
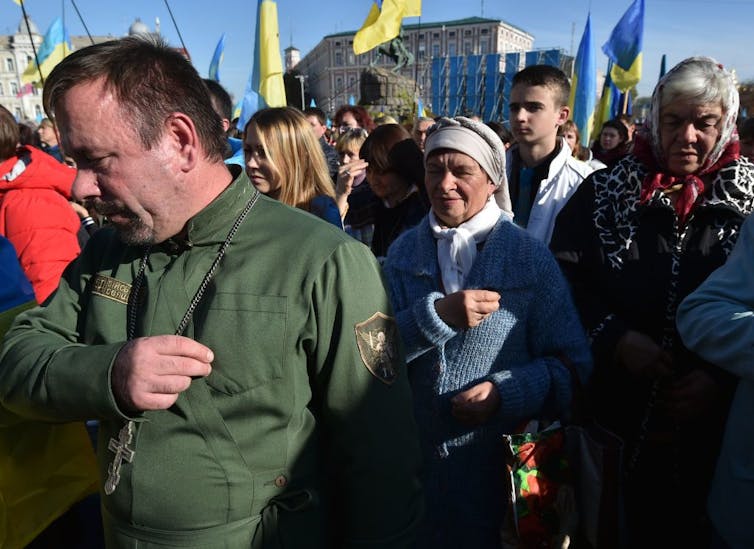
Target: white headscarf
{"x":478,"y":141}
{"x":457,"y":246}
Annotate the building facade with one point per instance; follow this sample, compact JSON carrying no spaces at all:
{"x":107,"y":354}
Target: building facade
{"x":16,"y":53}
{"x":333,"y":71}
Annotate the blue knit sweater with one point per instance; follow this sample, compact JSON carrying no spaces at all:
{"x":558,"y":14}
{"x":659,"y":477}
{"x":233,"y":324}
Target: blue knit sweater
{"x":515,"y":348}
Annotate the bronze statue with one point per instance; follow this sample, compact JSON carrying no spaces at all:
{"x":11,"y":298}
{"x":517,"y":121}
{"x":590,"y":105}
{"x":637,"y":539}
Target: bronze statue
{"x":395,"y":50}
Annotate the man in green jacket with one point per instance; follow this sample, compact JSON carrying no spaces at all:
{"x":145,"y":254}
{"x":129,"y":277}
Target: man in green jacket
{"x":240,"y":355}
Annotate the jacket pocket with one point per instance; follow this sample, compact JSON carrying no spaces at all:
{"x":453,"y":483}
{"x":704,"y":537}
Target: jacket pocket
{"x":247,"y":334}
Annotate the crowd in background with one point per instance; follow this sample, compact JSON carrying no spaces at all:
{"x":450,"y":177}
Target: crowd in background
{"x":514,"y":258}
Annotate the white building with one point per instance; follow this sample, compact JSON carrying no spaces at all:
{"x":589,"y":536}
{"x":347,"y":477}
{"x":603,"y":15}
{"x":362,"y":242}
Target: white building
{"x":333,"y":71}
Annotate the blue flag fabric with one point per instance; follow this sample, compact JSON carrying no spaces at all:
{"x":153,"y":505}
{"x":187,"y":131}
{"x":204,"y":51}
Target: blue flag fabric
{"x":624,"y":47}
{"x":584,"y":86}
{"x":217,"y":58}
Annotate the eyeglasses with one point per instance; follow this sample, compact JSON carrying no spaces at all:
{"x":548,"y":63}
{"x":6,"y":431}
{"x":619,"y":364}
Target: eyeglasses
{"x":355,"y":132}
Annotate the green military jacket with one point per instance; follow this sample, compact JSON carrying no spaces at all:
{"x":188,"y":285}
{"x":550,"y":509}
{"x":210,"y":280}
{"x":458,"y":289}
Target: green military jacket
{"x":303,"y":433}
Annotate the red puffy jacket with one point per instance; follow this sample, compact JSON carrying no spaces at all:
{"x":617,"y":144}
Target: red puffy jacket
{"x":36,"y":217}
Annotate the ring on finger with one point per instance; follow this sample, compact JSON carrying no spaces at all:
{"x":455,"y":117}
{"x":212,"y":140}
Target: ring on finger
{"x":347,"y":173}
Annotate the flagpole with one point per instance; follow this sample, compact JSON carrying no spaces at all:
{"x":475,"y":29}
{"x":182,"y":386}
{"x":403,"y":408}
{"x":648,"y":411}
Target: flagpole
{"x":624,"y":106}
{"x":31,"y":39}
{"x":73,"y":2}
{"x":176,"y":27}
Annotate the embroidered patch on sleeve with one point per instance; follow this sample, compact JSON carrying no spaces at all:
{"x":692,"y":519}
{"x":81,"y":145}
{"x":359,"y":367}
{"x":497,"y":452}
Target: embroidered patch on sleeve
{"x":377,"y":338}
{"x":111,"y":288}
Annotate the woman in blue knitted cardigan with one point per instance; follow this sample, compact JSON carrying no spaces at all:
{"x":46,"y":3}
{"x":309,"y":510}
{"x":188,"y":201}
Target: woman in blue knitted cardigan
{"x":488,"y":326}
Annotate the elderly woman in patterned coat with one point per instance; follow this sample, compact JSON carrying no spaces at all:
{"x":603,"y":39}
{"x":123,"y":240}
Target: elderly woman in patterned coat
{"x":633,"y":241}
{"x":489,"y":328}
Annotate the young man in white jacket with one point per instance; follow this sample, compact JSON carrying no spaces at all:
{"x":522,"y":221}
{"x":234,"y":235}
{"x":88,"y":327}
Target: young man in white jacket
{"x":542,"y":173}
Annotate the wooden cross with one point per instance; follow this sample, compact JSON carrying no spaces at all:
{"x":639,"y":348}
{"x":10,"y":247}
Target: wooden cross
{"x":122,"y":453}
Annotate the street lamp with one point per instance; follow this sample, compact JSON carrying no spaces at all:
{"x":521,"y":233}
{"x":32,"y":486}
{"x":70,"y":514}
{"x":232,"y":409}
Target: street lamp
{"x":301,"y":78}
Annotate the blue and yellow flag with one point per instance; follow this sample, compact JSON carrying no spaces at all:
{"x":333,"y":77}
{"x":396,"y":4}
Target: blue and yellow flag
{"x":55,"y":47}
{"x":584,"y":85}
{"x":217,"y":58}
{"x":624,"y":47}
{"x":265,"y":87}
{"x":608,"y":100}
{"x":382,"y":25}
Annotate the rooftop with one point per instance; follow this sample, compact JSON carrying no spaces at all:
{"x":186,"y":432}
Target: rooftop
{"x":453,"y":23}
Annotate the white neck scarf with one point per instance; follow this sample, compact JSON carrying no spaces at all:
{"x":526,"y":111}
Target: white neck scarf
{"x":456,"y":246}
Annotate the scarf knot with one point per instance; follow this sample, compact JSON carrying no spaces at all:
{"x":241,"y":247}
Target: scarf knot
{"x":457,"y":246}
{"x":691,"y":186}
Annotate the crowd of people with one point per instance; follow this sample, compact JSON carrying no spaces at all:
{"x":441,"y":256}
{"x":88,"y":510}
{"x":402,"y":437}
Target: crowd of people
{"x":306,"y":336}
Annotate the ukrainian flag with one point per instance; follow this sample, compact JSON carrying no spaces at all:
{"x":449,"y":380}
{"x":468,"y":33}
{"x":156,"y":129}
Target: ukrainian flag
{"x":584,"y":85}
{"x":382,"y":25}
{"x":265,"y":87}
{"x":55,"y":47}
{"x":624,"y":47}
{"x":608,"y":106}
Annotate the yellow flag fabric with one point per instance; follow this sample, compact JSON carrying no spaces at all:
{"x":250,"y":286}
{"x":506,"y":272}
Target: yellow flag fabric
{"x":627,"y":79}
{"x":271,"y":86}
{"x":44,"y":469}
{"x":382,"y":28}
{"x":413,"y":8}
{"x":17,"y":2}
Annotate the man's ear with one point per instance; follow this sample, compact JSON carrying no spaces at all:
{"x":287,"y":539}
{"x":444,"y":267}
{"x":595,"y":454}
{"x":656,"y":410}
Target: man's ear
{"x":563,"y":115}
{"x":184,"y":139}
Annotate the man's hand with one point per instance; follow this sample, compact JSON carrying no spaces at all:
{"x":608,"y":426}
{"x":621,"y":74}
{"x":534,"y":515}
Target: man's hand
{"x":150,"y":372}
{"x":476,"y":405}
{"x":467,"y":308}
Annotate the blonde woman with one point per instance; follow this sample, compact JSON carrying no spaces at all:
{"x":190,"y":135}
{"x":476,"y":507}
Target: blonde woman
{"x":285,"y":162}
{"x":355,"y":199}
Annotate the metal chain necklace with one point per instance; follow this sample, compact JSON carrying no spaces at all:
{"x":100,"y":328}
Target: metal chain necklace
{"x":120,"y":446}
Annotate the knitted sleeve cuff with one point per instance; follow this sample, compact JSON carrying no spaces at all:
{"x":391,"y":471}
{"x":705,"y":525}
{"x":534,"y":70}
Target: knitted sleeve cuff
{"x":429,"y":322}
{"x":522,"y":390}
{"x":421,"y":328}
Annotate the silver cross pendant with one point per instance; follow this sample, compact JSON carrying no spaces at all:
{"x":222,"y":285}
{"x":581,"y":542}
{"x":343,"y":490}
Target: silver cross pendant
{"x":122,"y":453}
